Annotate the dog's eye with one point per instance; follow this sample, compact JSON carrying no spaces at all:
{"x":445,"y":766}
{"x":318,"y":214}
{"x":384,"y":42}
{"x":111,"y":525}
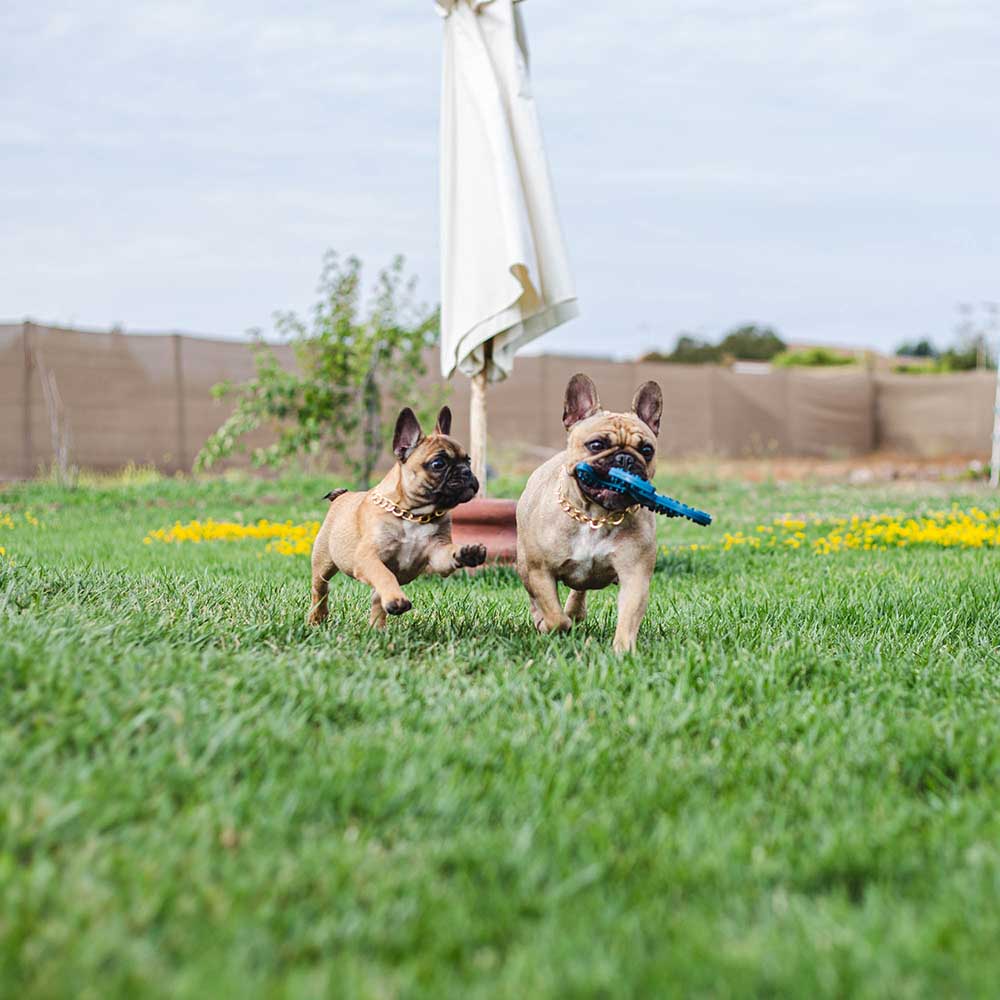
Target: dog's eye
{"x":646,"y":451}
{"x":438,"y":464}
{"x":596,"y":445}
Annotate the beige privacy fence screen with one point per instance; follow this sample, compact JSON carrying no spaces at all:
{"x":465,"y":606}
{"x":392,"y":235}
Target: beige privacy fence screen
{"x":111,"y":399}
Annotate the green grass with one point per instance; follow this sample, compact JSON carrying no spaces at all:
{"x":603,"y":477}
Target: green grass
{"x":792,"y":789}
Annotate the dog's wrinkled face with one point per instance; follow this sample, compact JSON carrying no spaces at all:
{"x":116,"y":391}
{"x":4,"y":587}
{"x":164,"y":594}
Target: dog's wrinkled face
{"x":605,"y":440}
{"x":435,"y":470}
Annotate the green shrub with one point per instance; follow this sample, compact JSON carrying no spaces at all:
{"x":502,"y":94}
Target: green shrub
{"x":928,"y":368}
{"x":812,"y":357}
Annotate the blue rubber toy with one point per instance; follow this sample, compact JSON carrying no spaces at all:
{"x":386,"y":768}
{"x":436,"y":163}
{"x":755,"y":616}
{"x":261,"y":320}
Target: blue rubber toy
{"x":641,"y":492}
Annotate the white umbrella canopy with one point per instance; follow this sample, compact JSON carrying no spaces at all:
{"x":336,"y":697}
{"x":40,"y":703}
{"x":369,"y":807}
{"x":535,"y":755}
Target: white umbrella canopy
{"x":505,"y":276}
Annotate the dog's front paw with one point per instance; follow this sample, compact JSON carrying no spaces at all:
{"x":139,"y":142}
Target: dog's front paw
{"x":621,"y":646}
{"x":397,"y":607}
{"x":471,"y":555}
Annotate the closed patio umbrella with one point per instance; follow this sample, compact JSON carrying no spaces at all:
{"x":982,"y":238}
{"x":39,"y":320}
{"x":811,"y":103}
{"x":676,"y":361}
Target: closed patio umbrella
{"x":505,"y":276}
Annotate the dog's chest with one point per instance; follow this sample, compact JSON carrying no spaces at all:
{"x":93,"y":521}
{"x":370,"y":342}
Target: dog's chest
{"x":588,"y":561}
{"x":410,"y":549}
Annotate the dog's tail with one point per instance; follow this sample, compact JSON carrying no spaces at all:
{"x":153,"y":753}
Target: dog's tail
{"x":333,"y":494}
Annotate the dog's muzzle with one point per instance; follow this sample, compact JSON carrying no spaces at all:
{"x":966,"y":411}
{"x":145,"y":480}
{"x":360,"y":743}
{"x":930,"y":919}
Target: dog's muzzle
{"x":607,"y":498}
{"x":460,"y":487}
{"x":629,"y":463}
{"x":625,"y":461}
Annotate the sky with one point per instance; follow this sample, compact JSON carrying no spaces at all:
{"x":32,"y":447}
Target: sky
{"x":828,"y":167}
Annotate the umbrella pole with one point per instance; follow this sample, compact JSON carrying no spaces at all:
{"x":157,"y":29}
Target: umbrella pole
{"x":477,"y":420}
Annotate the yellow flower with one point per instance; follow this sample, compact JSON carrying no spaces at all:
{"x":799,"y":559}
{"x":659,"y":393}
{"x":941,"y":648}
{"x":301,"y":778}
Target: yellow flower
{"x":284,"y":538}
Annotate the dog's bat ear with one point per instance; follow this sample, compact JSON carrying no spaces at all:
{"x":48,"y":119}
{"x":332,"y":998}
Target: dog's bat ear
{"x":407,"y":434}
{"x":581,"y":401}
{"x":647,"y":405}
{"x":443,"y":421}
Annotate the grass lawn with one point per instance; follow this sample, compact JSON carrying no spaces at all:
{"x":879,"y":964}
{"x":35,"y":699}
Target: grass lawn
{"x":792,"y":788}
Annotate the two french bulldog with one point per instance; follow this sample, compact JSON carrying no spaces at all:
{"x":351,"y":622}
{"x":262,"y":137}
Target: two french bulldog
{"x":567,"y":532}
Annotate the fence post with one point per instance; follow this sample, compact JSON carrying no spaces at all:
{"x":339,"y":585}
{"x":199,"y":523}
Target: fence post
{"x":182,"y":461}
{"x":27,"y":449}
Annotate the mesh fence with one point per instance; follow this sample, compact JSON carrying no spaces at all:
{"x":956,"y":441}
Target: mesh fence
{"x":111,"y":399}
{"x":930,"y":415}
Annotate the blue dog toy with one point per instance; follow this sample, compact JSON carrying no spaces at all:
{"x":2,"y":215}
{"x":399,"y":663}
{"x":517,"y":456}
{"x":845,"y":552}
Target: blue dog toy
{"x":641,"y":492}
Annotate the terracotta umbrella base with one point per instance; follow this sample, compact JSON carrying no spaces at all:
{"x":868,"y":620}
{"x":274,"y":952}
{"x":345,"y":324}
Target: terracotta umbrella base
{"x":487,"y":522}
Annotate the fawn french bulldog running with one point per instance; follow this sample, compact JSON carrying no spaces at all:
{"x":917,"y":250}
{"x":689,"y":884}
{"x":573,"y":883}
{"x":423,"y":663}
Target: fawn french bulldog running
{"x":388,"y":536}
{"x":585,"y":536}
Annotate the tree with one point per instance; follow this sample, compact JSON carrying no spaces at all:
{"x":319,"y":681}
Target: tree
{"x":922,"y":348}
{"x":688,"y":351}
{"x":347,"y":363}
{"x":751,"y":343}
{"x":743,"y":343}
{"x":694,"y":351}
{"x":974,"y":335}
{"x":966,"y":356}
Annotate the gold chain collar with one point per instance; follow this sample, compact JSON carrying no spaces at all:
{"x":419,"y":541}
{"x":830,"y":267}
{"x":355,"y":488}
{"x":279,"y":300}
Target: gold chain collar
{"x":608,"y":520}
{"x":407,"y":515}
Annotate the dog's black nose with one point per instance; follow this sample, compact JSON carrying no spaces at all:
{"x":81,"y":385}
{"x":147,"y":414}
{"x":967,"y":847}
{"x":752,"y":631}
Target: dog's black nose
{"x":625,"y":461}
{"x":473,"y":483}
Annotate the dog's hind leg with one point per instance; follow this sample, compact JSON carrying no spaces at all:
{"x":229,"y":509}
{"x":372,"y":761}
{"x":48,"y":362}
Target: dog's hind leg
{"x":536,"y":613}
{"x":576,"y":605}
{"x":322,"y":572}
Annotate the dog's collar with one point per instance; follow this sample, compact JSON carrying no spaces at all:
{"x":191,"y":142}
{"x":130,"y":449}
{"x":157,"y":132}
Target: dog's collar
{"x":606,"y":521}
{"x":407,"y":515}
